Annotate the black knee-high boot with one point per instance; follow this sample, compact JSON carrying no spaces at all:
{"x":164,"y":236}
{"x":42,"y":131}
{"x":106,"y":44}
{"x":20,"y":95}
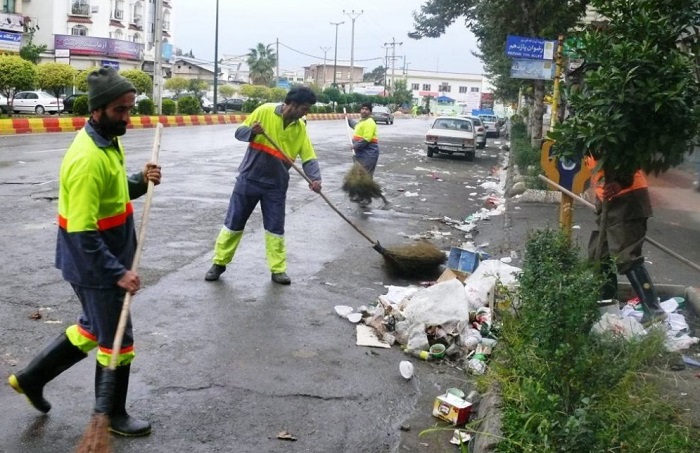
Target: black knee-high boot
{"x":56,"y":358}
{"x":121,"y":422}
{"x":641,"y":283}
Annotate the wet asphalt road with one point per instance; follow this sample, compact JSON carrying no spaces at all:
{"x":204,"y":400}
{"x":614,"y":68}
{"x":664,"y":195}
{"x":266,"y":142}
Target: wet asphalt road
{"x":226,"y":366}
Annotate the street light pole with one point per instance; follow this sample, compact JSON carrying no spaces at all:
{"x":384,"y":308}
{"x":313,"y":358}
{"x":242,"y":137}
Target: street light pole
{"x":158,"y":59}
{"x":352,"y":15}
{"x":325,"y":50}
{"x":216,"y":57}
{"x":335,"y":56}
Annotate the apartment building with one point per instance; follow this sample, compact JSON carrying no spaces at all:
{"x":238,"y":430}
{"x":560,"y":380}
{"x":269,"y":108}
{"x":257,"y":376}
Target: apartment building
{"x":86,"y":33}
{"x":12,"y":26}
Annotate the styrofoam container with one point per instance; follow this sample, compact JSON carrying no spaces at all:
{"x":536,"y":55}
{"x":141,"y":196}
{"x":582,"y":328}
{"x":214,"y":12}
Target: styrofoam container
{"x":406,"y":369}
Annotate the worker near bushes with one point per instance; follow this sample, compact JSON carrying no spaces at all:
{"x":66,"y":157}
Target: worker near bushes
{"x":365,"y":144}
{"x":619,"y":245}
{"x":264,"y":178}
{"x":95,"y":248}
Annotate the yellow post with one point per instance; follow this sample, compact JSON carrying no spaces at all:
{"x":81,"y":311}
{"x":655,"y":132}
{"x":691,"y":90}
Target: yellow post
{"x":567,"y":203}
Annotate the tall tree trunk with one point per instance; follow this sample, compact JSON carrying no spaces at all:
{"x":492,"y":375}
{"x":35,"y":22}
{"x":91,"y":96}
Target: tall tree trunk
{"x":538,"y":112}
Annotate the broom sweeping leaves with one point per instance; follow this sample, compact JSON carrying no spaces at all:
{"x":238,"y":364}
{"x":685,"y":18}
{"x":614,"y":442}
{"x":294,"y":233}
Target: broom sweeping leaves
{"x":360,"y":185}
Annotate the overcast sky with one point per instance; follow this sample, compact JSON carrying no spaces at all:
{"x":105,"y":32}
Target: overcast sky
{"x":304,"y":26}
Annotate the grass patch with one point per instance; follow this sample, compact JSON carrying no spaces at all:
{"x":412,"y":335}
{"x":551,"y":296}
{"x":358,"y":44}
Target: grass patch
{"x":525,"y":156}
{"x":566,"y":390}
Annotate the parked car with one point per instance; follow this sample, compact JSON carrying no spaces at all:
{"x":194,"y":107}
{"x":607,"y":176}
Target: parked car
{"x":70,"y":101}
{"x":139,"y":98}
{"x":206,"y":104}
{"x":451,"y":134}
{"x":480,"y":132}
{"x":491,"y":124}
{"x":4,"y":105}
{"x":38,"y":102}
{"x":381,"y":114}
{"x":230,"y":105}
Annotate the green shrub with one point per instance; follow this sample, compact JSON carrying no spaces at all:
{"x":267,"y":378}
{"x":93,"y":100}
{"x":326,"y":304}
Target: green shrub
{"x":169,"y":107}
{"x":565,"y":389}
{"x":188,"y":105}
{"x":146,"y":107}
{"x":80,"y":106}
{"x":250,"y":105}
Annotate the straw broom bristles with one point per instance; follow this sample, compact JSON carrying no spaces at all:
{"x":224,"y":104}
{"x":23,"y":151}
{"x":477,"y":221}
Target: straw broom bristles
{"x":415,"y":260}
{"x":359,"y":184}
{"x":96,"y":438}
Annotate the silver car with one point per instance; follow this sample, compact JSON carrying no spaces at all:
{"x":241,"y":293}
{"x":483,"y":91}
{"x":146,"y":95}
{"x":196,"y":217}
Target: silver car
{"x":480,"y":132}
{"x":491,"y":124}
{"x":451,"y":134}
{"x":38,"y":102}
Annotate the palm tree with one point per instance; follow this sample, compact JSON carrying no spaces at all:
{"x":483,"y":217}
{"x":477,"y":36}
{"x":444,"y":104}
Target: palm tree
{"x":261,"y":62}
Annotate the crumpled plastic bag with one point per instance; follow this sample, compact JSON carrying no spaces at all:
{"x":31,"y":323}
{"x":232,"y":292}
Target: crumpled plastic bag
{"x":438,"y":304}
{"x":479,"y":284}
{"x":627,"y":327}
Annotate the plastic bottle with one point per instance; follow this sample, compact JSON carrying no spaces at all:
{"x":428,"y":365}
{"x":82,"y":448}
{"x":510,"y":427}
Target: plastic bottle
{"x":423,"y":355}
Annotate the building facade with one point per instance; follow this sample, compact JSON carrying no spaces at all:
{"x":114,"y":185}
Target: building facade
{"x":322,"y":75}
{"x":446,"y":90}
{"x":12,"y":26}
{"x":87,"y":33}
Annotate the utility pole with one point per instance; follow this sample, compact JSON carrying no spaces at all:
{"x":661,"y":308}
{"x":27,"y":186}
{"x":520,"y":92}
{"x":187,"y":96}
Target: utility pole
{"x":325,"y":50}
{"x":158,"y":59}
{"x":277,"y":57}
{"x":352,"y":15}
{"x":335,"y":56}
{"x":216,"y":57}
{"x":393,"y":45}
{"x":386,"y":67}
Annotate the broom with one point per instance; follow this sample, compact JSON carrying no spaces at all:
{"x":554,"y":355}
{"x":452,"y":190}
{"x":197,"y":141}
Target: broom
{"x":410,"y":260}
{"x":96,"y":437}
{"x":358,"y":183}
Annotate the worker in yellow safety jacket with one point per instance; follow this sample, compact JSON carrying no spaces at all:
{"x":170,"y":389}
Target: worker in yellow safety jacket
{"x":95,"y":248}
{"x":264,"y":178}
{"x":365,"y":144}
{"x":619,"y":245}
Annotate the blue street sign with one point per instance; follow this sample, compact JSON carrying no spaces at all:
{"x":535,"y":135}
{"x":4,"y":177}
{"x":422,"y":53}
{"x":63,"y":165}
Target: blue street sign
{"x":532,"y":48}
{"x":110,"y":64}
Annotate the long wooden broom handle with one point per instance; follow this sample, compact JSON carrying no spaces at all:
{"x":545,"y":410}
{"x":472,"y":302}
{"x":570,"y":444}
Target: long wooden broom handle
{"x":651,"y":241}
{"x":124,"y":315}
{"x":347,"y":129}
{"x":303,"y":175}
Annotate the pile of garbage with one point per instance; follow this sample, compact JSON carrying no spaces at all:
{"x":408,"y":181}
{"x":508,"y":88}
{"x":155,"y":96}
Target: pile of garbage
{"x":452,"y":312}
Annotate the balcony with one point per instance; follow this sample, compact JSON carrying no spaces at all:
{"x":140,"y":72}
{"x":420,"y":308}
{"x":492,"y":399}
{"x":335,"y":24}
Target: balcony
{"x":80,"y":9}
{"x":118,"y":14}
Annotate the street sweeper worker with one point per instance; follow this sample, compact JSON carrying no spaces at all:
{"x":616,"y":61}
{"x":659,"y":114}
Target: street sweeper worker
{"x":264,"y":178}
{"x":95,"y":248}
{"x":621,"y":240}
{"x":364,"y":141}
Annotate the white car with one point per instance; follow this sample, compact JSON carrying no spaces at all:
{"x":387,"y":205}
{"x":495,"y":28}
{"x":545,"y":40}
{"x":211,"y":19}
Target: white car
{"x":480,"y":131}
{"x":3,"y":104}
{"x":451,"y":134}
{"x":491,"y":124}
{"x":38,"y":102}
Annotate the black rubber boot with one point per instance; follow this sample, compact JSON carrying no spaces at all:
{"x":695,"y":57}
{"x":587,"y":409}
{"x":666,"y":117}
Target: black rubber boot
{"x":641,"y":283}
{"x":214,"y":272}
{"x":120,"y":422}
{"x":56,"y":358}
{"x":282,"y":278}
{"x":609,"y":289}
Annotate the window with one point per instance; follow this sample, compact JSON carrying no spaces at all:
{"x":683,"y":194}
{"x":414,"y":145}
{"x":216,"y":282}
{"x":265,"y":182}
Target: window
{"x":8,"y":6}
{"x":462,"y":89}
{"x":415,"y":86}
{"x":426,"y":87}
{"x":80,"y":8}
{"x":137,"y":14}
{"x":137,"y":37}
{"x":166,"y":20}
{"x":119,"y":9}
{"x":474,"y":90}
{"x":119,"y":34}
{"x":79,"y":30}
{"x":444,"y":87}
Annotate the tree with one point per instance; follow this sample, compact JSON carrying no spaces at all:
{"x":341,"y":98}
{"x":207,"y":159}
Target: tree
{"x":177,"y":84}
{"x":30,"y":51}
{"x":638,"y":102}
{"x":54,"y":78}
{"x":199,"y":87}
{"x":227,"y":91}
{"x":333,"y":94}
{"x":140,"y":79}
{"x":376,"y":75}
{"x":491,"y":21}
{"x":401,"y":95}
{"x":257,"y":92}
{"x":277,"y":94}
{"x":261,"y":63}
{"x":16,"y":74}
{"x":81,"y":78}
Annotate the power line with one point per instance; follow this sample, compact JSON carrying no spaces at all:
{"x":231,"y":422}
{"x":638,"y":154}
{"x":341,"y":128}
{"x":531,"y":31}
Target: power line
{"x":321,"y":58}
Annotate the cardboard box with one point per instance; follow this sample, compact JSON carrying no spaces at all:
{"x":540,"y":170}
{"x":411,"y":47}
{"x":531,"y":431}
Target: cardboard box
{"x":452,"y":409}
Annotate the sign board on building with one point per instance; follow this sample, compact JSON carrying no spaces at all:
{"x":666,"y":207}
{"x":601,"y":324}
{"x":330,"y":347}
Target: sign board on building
{"x":102,"y":47}
{"x":11,"y":22}
{"x":531,"y":48}
{"x":532,"y":69}
{"x":62,"y":53}
{"x":10,"y":42}
{"x":110,"y":64}
{"x":486,"y":101}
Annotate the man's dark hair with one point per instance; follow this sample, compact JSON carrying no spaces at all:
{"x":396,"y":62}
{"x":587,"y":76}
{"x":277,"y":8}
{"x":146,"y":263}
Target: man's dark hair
{"x":367,"y":104}
{"x":300,"y":95}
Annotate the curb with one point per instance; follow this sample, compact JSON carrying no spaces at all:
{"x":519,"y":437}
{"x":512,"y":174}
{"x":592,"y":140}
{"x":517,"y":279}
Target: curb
{"x":14,"y":126}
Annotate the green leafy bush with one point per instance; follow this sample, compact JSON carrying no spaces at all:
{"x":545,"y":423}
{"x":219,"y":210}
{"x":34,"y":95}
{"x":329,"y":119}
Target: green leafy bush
{"x":80,"y":106}
{"x":250,"y":105}
{"x":565,"y":389}
{"x":169,"y":107}
{"x":146,"y":107}
{"x":188,"y":106}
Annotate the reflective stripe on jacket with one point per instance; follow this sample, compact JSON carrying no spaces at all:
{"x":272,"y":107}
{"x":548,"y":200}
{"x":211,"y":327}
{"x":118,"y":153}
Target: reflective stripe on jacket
{"x":96,"y":237}
{"x":598,"y":179}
